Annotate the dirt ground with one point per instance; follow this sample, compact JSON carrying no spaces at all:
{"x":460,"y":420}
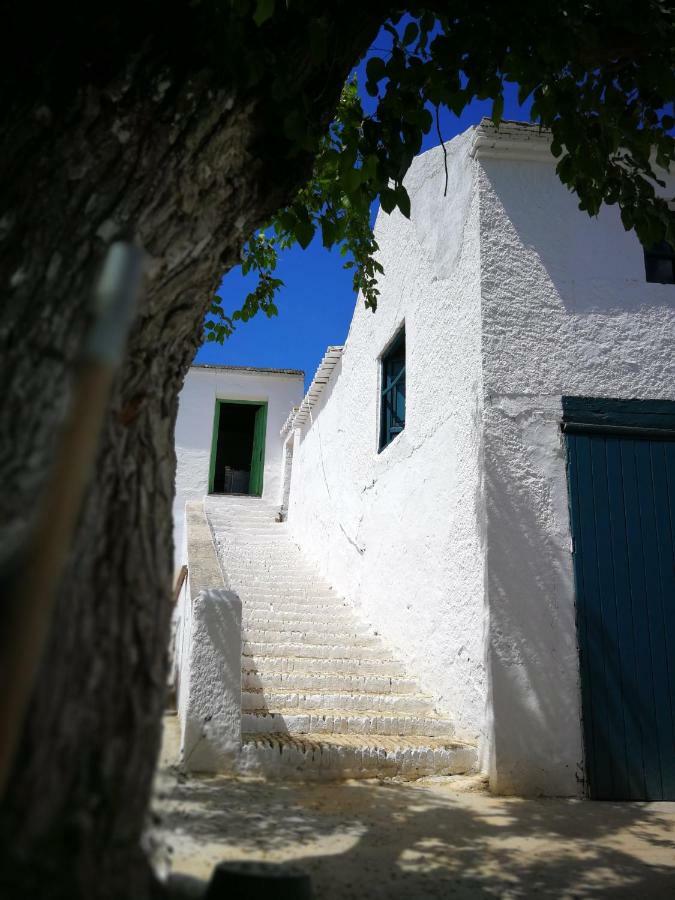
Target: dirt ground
{"x":435,"y":838}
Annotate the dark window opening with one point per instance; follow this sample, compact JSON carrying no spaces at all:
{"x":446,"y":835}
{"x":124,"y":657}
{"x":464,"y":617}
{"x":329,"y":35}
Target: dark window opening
{"x":660,"y":263}
{"x":234,"y":448}
{"x":392,"y":400}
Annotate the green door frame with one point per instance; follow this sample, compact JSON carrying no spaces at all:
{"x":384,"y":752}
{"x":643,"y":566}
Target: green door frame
{"x":258,"y":452}
{"x":255,"y":484}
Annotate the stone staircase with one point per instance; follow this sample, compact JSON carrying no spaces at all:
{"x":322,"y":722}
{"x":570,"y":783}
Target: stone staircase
{"x":321,"y":695}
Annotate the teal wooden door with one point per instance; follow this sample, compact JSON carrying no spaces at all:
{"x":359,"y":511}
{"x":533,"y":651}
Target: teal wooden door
{"x":622,"y":503}
{"x":258,"y":454}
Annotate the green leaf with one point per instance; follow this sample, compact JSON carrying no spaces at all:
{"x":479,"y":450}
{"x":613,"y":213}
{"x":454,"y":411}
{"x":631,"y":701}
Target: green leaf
{"x":304,"y":232}
{"x":456,"y":101}
{"x":264,"y":9}
{"x":410,"y":33}
{"x":351,"y":180}
{"x":376,"y":69}
{"x":392,"y":31}
{"x":327,"y":232}
{"x":388,"y":200}
{"x":609,"y":116}
{"x":403,"y":200}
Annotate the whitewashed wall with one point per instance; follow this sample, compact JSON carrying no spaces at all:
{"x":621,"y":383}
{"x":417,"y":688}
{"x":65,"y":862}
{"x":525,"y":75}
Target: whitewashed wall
{"x":399,"y":532}
{"x":454,"y":542}
{"x":194,"y":427}
{"x":566,"y":310}
{"x":207,"y":655}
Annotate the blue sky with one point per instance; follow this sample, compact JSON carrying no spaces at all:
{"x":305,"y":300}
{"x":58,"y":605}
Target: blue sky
{"x":317,"y":301}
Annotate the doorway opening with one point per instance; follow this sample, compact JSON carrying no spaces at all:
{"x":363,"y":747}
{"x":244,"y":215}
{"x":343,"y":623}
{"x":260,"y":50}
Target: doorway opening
{"x":621,"y":478}
{"x":238,"y":448}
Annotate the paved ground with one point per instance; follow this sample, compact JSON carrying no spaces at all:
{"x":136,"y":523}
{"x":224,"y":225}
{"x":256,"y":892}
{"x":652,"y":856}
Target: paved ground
{"x":442,"y":838}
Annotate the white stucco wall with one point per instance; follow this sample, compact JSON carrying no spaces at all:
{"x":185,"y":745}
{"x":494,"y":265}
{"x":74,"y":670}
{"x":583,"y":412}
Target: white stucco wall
{"x":454,"y":542}
{"x":399,"y":532}
{"x":194,"y":427}
{"x":565,"y":310}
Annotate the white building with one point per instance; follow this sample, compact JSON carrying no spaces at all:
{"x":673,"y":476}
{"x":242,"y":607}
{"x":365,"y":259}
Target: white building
{"x":431,"y":481}
{"x":228,"y":433}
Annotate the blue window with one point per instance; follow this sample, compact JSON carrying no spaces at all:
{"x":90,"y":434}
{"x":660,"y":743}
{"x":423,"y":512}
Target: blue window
{"x":660,"y":263}
{"x":392,"y":401}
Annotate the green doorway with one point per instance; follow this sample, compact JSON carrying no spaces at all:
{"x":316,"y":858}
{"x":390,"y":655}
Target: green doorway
{"x":238,"y":447}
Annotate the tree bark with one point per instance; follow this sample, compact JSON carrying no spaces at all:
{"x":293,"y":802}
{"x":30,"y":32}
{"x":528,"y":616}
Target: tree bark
{"x":172,"y":159}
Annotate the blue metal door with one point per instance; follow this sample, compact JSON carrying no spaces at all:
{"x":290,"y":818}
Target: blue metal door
{"x":621,"y":468}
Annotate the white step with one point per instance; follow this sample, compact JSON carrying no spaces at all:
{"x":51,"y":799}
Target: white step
{"x":330,"y":757}
{"x":272,"y":664}
{"x":307,"y":608}
{"x":276,"y":585}
{"x":337,"y":721}
{"x":238,"y":540}
{"x":243,"y":522}
{"x":285,"y":550}
{"x":252,"y":592}
{"x":321,"y":696}
{"x":295,"y":607}
{"x":292,"y":612}
{"x":280,"y":566}
{"x":273,"y":576}
{"x":308,"y":604}
{"x":298,"y":624}
{"x":259,"y":590}
{"x":250,"y":567}
{"x":251,"y":539}
{"x":246,"y":524}
{"x":242,"y":532}
{"x":254,"y":570}
{"x":304,"y":701}
{"x":327,"y":651}
{"x":325,"y":638}
{"x":306,"y":601}
{"x":326,"y":681}
{"x":302,"y":621}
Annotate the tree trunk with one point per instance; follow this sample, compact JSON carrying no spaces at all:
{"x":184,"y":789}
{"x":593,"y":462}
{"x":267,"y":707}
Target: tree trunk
{"x":172,"y":161}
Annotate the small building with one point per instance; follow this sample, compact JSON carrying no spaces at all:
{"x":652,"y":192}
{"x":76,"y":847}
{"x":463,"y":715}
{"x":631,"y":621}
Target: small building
{"x":431,"y":482}
{"x":486,"y":469}
{"x":228,"y":433}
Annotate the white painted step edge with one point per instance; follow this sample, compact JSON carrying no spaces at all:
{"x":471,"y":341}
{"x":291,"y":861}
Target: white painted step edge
{"x":306,"y":701}
{"x":274,"y":664}
{"x":326,"y":638}
{"x":344,"y":722}
{"x":327,"y":681}
{"x":329,"y":651}
{"x":309,"y":759}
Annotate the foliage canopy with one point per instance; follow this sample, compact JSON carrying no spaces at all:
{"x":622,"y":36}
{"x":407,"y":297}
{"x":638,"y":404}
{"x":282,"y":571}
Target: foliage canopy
{"x":601,"y":78}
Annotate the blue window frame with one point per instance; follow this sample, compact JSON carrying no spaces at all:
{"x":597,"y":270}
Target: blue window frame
{"x":660,"y":263}
{"x":392,"y":400}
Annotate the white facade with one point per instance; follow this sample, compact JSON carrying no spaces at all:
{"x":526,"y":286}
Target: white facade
{"x":454,"y":541}
{"x":398,"y":532}
{"x":280,"y":389}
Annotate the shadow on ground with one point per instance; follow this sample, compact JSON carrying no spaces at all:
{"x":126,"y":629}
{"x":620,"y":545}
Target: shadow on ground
{"x":370,"y":839}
